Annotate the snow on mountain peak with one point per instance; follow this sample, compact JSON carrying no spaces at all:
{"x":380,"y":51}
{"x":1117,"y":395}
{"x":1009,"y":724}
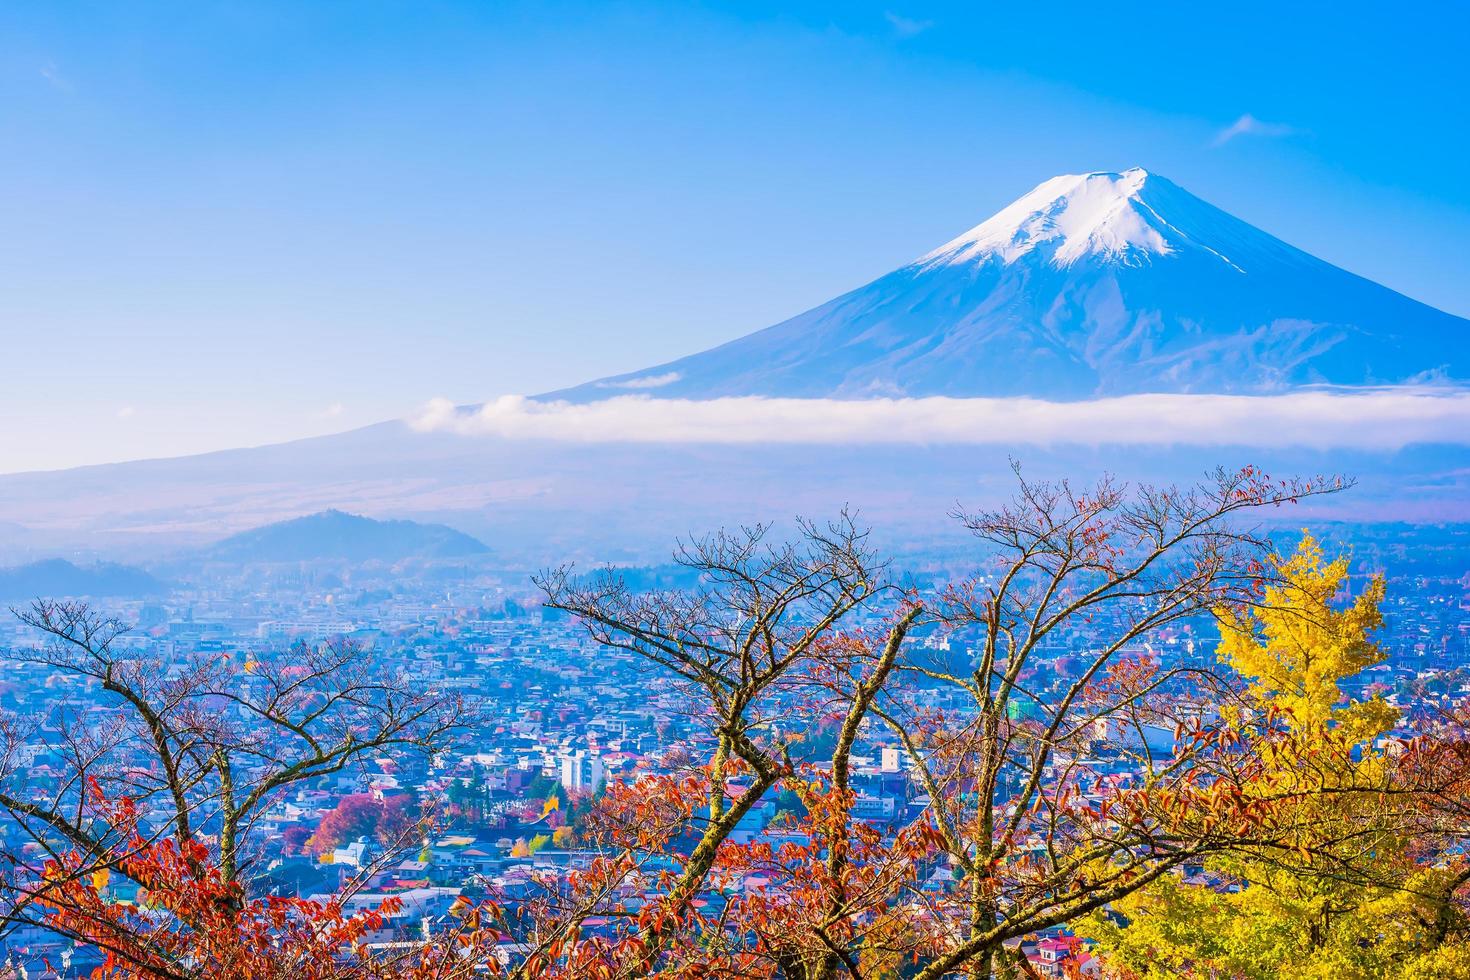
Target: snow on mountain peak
{"x":1090,"y":285}
{"x":1113,"y":216}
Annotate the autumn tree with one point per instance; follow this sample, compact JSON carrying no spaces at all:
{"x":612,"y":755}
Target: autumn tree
{"x":759,"y":648}
{"x":194,"y":924}
{"x":1040,"y":837}
{"x":386,"y":821}
{"x":1342,"y":890}
{"x":198,"y":747}
{"x":295,"y":839}
{"x":1036,"y":837}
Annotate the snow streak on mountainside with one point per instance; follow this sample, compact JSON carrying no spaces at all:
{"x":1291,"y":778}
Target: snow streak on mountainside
{"x":1091,"y":285}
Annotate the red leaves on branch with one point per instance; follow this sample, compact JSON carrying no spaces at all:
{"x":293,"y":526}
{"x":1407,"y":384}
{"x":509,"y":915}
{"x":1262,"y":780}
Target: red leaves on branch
{"x":188,"y":921}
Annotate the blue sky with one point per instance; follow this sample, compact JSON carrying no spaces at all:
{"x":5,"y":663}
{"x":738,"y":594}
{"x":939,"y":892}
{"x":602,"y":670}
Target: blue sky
{"x":238,"y":223}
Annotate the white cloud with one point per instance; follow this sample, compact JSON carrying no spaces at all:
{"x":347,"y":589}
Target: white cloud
{"x":906,"y":26}
{"x":1380,"y":418}
{"x":333,"y":410}
{"x":53,"y":76}
{"x":1249,"y":125}
{"x":126,"y":412}
{"x":647,"y":381}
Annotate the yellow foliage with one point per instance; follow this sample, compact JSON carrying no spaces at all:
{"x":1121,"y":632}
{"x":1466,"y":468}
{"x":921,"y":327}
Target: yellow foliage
{"x":884,"y":954}
{"x":1449,"y":962}
{"x":1336,"y":896}
{"x":1297,"y":646}
{"x":1178,"y":930}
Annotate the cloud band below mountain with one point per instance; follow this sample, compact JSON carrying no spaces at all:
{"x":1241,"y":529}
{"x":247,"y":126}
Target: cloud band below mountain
{"x":1377,"y":419}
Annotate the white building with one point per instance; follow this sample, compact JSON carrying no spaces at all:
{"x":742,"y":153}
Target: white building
{"x":581,"y":772}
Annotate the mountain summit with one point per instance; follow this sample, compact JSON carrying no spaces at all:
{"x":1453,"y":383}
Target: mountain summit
{"x":1095,"y":284}
{"x":1102,"y":217}
{"x":1090,"y":285}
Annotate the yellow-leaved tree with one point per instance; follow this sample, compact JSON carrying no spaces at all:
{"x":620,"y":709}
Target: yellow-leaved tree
{"x":1335,"y":890}
{"x":1302,"y":641}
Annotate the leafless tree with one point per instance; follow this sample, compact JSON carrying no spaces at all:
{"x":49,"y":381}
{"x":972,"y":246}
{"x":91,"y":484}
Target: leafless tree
{"x":1037,"y":835}
{"x":1108,"y":569}
{"x":201,"y":744}
{"x":758,"y":646}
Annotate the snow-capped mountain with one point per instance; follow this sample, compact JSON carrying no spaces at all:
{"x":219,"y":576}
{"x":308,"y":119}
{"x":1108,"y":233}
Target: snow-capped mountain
{"x":1090,"y":285}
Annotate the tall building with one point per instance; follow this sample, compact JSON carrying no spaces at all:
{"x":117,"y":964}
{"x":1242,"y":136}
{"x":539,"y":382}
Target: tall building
{"x":581,"y":772}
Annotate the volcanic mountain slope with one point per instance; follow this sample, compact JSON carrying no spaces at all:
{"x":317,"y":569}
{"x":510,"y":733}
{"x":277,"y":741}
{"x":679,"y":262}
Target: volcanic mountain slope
{"x":1090,"y":285}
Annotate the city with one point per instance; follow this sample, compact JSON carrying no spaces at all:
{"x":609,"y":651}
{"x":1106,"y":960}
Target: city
{"x":497,"y":807}
{"x":565,"y":490}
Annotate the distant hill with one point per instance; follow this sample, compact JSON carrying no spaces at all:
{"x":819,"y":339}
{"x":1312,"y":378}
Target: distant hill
{"x":335,"y":535}
{"x":57,"y":577}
